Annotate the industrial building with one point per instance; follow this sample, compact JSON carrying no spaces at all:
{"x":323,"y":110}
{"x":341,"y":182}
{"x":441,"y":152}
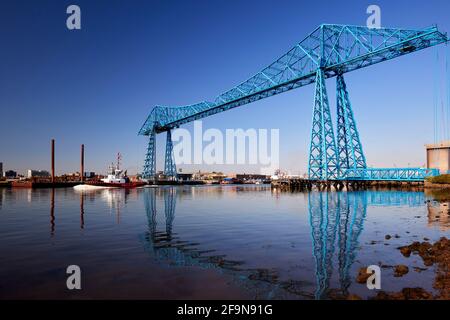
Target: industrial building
{"x":212,"y":176}
{"x":37,"y":173}
{"x":185,"y":176}
{"x":438,"y":156}
{"x":10,"y":174}
{"x":89,"y":174}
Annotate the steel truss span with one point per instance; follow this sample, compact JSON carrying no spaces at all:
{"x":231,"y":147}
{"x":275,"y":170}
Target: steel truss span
{"x":330,"y":50}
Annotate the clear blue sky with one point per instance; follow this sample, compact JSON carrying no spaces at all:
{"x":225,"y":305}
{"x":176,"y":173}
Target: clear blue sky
{"x":97,"y":85}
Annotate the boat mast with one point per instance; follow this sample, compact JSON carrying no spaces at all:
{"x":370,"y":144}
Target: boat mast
{"x":119,"y":157}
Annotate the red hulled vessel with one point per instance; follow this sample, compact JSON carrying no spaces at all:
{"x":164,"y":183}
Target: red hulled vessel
{"x":116,"y":178}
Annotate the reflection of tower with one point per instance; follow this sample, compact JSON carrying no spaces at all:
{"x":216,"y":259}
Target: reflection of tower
{"x":330,"y":212}
{"x":150,"y":209}
{"x":323,"y":214}
{"x":161,"y":243}
{"x":166,"y":247}
{"x":169,"y":210}
{"x":52,"y":213}
{"x":171,"y":249}
{"x":169,"y":206}
{"x":353,"y":209}
{"x":81,"y":210}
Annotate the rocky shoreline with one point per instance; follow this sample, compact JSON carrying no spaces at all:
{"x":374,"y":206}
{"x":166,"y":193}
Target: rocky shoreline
{"x":436,"y":254}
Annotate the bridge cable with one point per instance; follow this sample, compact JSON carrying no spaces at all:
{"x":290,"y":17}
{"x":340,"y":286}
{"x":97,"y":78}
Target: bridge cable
{"x":442,"y":87}
{"x":444,"y":97}
{"x":435,"y":89}
{"x":447,"y":84}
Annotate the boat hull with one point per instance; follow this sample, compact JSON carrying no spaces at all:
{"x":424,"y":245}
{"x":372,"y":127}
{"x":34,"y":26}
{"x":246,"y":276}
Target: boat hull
{"x":126,"y":185}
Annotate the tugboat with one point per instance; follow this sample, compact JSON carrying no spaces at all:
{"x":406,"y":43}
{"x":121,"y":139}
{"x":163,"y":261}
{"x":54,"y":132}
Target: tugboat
{"x":117,"y":178}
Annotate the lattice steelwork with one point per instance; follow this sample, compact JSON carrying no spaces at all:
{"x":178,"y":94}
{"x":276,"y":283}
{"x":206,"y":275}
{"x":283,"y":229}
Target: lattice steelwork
{"x":332,"y":49}
{"x":350,"y":151}
{"x":170,"y":169}
{"x":323,"y":163}
{"x":389,"y":174}
{"x":150,"y":157}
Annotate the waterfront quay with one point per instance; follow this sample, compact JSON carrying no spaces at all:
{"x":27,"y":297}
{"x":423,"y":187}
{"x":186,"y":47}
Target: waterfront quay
{"x":303,"y":184}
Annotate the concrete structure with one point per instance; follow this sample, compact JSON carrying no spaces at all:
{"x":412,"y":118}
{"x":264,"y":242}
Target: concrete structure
{"x":438,"y":156}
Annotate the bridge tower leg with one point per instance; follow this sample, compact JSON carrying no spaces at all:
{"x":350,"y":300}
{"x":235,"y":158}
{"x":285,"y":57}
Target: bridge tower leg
{"x":350,"y":151}
{"x":323,"y":163}
{"x":150,"y":158}
{"x":170,"y":169}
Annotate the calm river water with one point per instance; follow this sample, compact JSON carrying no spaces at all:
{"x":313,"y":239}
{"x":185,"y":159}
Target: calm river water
{"x":210,"y":242}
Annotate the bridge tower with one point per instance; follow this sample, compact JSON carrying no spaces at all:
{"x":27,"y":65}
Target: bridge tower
{"x":170,"y":169}
{"x":150,"y":157}
{"x":350,"y":151}
{"x":328,"y":161}
{"x":323,"y":163}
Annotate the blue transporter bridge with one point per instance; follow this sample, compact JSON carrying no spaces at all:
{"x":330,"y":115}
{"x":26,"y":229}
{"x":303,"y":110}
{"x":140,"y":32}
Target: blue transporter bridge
{"x":329,"y":51}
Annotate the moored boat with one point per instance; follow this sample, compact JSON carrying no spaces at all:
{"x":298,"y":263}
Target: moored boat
{"x":116,"y":178}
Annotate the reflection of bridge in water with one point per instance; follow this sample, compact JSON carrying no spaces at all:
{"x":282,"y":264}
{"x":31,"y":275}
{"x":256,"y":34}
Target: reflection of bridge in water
{"x":394,"y":198}
{"x":336,"y":220}
{"x":166,"y":246}
{"x":335,"y":217}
